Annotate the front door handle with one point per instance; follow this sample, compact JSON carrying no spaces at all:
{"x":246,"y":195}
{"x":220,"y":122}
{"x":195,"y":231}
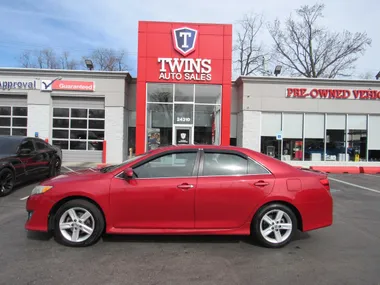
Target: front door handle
{"x":261,"y":184}
{"x":185,"y":186}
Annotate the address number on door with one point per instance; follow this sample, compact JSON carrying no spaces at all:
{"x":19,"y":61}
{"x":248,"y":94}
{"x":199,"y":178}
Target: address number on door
{"x":183,"y":119}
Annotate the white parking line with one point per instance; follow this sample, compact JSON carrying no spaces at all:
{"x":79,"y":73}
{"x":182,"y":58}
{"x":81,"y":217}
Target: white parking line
{"x":373,"y":175}
{"x":24,"y":198}
{"x":355,"y":185}
{"x":69,"y":169}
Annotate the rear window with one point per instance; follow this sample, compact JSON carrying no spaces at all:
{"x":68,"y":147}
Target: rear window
{"x":8,"y":146}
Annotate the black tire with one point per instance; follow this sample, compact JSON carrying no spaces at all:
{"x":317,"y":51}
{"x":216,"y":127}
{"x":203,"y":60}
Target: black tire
{"x":7,"y":182}
{"x":55,"y":167}
{"x":99,"y":223}
{"x":257,"y":223}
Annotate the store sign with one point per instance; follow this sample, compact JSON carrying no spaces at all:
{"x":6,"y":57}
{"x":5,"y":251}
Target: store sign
{"x":322,"y":93}
{"x":183,"y":136}
{"x":17,"y":84}
{"x":188,"y":69}
{"x":67,"y":85}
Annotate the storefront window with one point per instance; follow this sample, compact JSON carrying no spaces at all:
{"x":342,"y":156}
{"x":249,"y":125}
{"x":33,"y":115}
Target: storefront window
{"x":373,"y":138}
{"x":184,"y":92}
{"x":357,"y":138}
{"x":335,"y":137}
{"x":271,"y":146}
{"x":292,"y":136}
{"x":193,"y":118}
{"x":209,"y":94}
{"x":160,"y":92}
{"x":270,"y":127}
{"x":205,"y":125}
{"x":314,"y":137}
{"x":159,"y":125}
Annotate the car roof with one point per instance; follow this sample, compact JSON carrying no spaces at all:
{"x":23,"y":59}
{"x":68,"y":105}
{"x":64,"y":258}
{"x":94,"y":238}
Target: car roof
{"x":13,"y":138}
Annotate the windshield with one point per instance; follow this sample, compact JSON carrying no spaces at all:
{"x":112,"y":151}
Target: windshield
{"x":8,"y":146}
{"x":125,"y":162}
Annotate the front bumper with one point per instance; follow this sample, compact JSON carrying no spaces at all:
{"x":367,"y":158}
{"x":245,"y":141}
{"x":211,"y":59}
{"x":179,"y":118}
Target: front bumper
{"x":38,"y":208}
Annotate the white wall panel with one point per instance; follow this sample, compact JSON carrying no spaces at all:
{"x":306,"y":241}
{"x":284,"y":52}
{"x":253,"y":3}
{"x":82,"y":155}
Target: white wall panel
{"x":293,"y":124}
{"x":373,"y":132}
{"x":357,"y":122}
{"x":314,"y":126}
{"x":336,"y":122}
{"x":270,"y":124}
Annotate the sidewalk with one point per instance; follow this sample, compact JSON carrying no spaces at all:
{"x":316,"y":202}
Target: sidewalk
{"x":83,"y":164}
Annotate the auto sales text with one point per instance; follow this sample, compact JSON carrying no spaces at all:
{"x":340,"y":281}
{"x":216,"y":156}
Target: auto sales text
{"x":185,"y":69}
{"x":333,"y":94}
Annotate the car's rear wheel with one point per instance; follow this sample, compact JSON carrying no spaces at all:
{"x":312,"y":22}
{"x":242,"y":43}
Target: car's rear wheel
{"x":78,"y":223}
{"x":7,"y":181}
{"x":274,"y":225}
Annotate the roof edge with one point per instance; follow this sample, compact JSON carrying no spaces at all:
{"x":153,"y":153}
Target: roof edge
{"x":304,"y":80}
{"x":79,"y":72}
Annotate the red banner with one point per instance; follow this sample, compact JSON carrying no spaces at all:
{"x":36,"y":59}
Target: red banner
{"x":314,"y":93}
{"x":66,"y":85}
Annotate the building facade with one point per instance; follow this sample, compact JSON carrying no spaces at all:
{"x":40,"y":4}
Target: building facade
{"x":76,"y":110}
{"x":183,"y":94}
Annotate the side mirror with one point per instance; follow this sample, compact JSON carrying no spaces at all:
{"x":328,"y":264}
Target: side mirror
{"x":25,"y":151}
{"x":128,"y":173}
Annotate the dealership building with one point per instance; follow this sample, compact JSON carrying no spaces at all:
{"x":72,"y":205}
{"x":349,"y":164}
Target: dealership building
{"x":183,"y":94}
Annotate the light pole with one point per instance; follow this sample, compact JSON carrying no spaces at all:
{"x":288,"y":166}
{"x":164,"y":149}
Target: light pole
{"x":89,"y":64}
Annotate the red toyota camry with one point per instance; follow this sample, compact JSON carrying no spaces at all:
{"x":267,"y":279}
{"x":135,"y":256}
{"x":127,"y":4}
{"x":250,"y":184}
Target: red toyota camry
{"x":184,"y":190}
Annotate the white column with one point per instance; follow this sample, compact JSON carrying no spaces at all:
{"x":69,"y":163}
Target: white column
{"x":114,"y":134}
{"x":251,"y":122}
{"x":39,"y":120}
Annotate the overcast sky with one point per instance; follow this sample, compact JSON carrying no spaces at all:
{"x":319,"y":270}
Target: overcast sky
{"x":79,"y":26}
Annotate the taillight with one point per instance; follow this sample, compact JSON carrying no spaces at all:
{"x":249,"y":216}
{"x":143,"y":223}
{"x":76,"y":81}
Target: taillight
{"x":326,"y":183}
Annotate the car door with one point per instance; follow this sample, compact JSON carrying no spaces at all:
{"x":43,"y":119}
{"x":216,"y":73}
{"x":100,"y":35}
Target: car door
{"x":230,"y":185}
{"x":160,"y":195}
{"x":44,"y":155}
{"x":28,"y":155}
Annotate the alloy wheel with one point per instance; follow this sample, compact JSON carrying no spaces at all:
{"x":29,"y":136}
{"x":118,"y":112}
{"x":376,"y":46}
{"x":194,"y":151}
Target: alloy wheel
{"x":276,"y":226}
{"x":6,"y":182}
{"x":76,"y":224}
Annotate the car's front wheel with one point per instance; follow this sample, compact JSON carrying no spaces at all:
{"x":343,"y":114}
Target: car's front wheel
{"x":78,"y":223}
{"x":274,"y":225}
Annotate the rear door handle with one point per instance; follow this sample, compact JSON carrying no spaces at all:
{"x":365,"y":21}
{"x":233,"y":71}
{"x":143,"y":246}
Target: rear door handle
{"x":261,"y":183}
{"x":185,"y":186}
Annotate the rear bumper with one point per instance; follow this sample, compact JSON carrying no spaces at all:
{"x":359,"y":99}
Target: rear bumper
{"x":317,"y":214}
{"x":38,"y":208}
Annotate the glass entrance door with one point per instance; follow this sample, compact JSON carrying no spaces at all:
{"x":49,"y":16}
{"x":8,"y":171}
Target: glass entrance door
{"x":183,"y":135}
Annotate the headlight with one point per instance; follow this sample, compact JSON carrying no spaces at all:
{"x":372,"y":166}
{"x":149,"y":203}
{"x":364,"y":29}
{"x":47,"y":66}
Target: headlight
{"x":41,"y":189}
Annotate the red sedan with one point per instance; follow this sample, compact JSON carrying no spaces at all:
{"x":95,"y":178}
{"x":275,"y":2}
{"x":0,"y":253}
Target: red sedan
{"x":184,"y":190}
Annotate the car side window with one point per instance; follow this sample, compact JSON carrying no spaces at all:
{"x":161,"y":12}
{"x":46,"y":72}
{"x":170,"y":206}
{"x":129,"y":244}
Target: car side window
{"x":255,"y":168}
{"x":27,"y":144}
{"x":224,"y":164}
{"x":178,"y":164}
{"x":41,"y":145}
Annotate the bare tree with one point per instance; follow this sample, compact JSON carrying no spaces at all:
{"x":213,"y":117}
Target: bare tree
{"x":251,"y":56}
{"x":47,"y":58}
{"x":66,"y":62}
{"x":306,"y":49}
{"x":26,"y":59}
{"x":366,"y":75}
{"x":108,"y":59}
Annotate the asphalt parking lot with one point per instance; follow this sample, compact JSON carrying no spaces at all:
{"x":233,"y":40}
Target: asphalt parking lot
{"x":346,"y":253}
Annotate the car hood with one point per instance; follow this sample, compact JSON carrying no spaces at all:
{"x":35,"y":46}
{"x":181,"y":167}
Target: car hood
{"x":6,"y":155}
{"x":78,"y":175}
